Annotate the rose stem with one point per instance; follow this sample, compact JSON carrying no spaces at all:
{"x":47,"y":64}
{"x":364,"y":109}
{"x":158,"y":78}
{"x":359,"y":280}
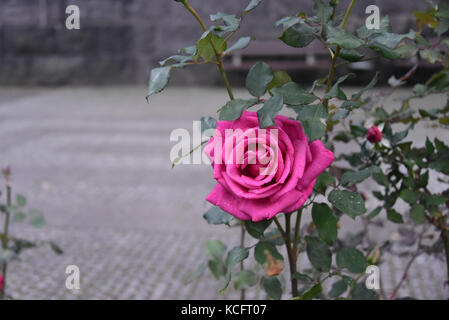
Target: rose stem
{"x":445,"y":238}
{"x":291,"y":260}
{"x":330,"y":78}
{"x":5,"y":234}
{"x":217,"y":55}
{"x":242,"y":243}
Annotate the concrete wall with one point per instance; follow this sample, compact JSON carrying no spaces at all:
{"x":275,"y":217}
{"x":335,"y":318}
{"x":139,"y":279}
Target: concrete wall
{"x":121,"y":40}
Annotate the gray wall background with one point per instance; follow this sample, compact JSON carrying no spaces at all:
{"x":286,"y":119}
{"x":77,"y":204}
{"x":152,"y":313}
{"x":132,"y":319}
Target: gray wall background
{"x":121,"y":40}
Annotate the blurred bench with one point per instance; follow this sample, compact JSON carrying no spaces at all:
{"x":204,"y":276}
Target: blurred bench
{"x":279,"y":56}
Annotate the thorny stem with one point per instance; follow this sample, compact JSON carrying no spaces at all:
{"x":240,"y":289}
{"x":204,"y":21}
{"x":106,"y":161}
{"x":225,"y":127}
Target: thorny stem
{"x":291,"y":251}
{"x":242,"y":244}
{"x":409,"y":264}
{"x":297,"y":229}
{"x":330,"y":78}
{"x":217,"y":55}
{"x":445,"y":238}
{"x":5,"y":234}
{"x":291,"y":255}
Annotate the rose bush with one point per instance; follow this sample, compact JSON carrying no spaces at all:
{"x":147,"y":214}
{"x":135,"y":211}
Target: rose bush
{"x":247,"y":191}
{"x":325,"y":114}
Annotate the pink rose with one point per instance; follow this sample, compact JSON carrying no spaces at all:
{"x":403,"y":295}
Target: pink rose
{"x":374,"y":135}
{"x":249,"y":186}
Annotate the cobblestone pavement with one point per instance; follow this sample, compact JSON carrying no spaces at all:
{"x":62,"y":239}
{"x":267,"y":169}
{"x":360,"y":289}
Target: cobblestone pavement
{"x":96,"y":161}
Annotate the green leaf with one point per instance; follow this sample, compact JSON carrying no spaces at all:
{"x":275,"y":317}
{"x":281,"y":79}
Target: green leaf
{"x":371,"y":84}
{"x":335,"y":91}
{"x":280,"y":77}
{"x":19,"y":216}
{"x":338,"y":288}
{"x":431,"y":55}
{"x":269,"y":111}
{"x":245,"y":279}
{"x":288,"y":22}
{"x":319,"y":254}
{"x":216,"y":248}
{"x":313,"y":119}
{"x":322,"y":10}
{"x":381,"y":178}
{"x":215,"y":215}
{"x":351,"y":259}
{"x":177,"y":58}
{"x":261,"y":249}
{"x":358,"y":131}
{"x":361,"y":292}
{"x":205,"y":49}
{"x":294,"y":94}
{"x":312,"y":292}
{"x":217,"y":267}
{"x":158,"y":80}
{"x":394,"y":216}
{"x":374,"y":213}
{"x":384,"y":26}
{"x":258,"y":78}
{"x":241,"y":43}
{"x":302,"y":277}
{"x":434,"y":200}
{"x":256,"y":229}
{"x":36,"y":218}
{"x":236,"y":255}
{"x":324,"y":180}
{"x":385,"y":51}
{"x":21,"y":200}
{"x":350,"y":178}
{"x":274,"y":237}
{"x":208,"y":123}
{"x":231,"y":22}
{"x":251,"y":6}
{"x":273,"y":287}
{"x":298,"y":35}
{"x":351,"y":55}
{"x":391,"y":40}
{"x":409,"y":196}
{"x":56,"y":249}
{"x":6,"y":255}
{"x":406,"y":51}
{"x":417,"y":214}
{"x":234,"y":109}
{"x":348,"y":202}
{"x":325,"y":222}
{"x":342,"y":38}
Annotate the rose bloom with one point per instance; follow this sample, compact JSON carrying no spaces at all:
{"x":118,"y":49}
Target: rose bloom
{"x":374,"y":135}
{"x":277,"y":177}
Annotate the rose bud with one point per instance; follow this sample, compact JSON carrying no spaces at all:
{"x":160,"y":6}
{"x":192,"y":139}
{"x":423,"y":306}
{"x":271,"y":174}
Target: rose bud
{"x":374,"y":135}
{"x":374,"y":256}
{"x":363,"y":196}
{"x":6,"y":171}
